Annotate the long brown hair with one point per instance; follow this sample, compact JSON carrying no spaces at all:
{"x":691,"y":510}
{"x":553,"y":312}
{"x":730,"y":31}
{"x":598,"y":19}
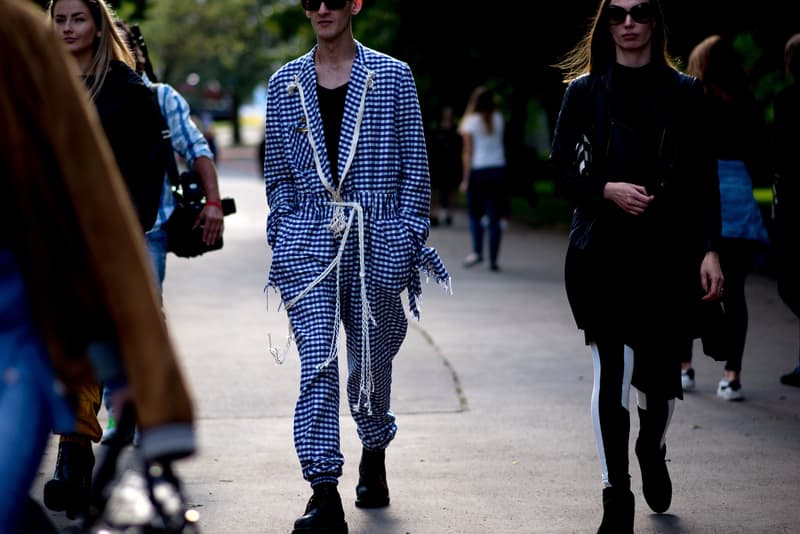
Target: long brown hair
{"x":109,"y":46}
{"x":483,"y":103}
{"x":791,"y":56}
{"x":715,"y":62}
{"x":595,"y":52}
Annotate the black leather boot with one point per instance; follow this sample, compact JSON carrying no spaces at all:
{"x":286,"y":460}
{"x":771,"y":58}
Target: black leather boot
{"x":618,"y":511}
{"x":372,"y":490}
{"x":69,"y":489}
{"x":324,"y":513}
{"x":656,"y":484}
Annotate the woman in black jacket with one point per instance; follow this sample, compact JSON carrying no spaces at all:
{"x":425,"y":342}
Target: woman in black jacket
{"x":128,"y":111}
{"x":133,"y":126}
{"x":629,"y":149}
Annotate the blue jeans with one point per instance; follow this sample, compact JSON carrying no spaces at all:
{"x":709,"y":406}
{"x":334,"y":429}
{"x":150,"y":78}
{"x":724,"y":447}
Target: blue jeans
{"x":156,"y":240}
{"x":487,"y":195}
{"x":30,"y":406}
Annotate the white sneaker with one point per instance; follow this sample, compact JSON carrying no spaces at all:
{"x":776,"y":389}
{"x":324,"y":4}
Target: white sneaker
{"x":730,"y":390}
{"x":687,"y":379}
{"x":471,"y":260}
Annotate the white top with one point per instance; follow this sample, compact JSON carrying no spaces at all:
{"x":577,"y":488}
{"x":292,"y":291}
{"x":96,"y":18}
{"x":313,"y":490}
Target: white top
{"x":487,"y":148}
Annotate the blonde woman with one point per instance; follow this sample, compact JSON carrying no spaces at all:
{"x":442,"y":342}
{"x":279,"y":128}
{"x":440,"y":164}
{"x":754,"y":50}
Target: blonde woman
{"x":128,"y":112}
{"x":132,"y":124}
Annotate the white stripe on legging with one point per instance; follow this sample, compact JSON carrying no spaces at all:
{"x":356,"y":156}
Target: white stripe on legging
{"x":627,"y":374}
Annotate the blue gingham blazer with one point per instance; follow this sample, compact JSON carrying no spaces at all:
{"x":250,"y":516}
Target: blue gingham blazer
{"x":389,"y":172}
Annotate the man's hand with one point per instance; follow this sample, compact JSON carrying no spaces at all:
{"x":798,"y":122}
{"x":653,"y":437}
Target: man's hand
{"x":211,"y":218}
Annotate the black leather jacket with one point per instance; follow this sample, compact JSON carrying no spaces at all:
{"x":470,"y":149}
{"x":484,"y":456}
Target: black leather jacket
{"x":133,"y":125}
{"x":637,"y":278}
{"x":686,"y":209}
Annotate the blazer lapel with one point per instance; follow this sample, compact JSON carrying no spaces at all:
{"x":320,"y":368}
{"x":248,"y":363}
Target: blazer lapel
{"x":358,"y":77}
{"x":307,"y":78}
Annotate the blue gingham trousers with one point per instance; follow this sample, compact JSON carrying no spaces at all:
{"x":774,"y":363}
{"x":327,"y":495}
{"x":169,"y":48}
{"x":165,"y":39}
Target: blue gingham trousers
{"x":305,"y":247}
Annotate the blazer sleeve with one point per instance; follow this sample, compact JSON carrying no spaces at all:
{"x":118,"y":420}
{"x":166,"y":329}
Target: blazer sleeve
{"x":415,"y":187}
{"x":278,"y":177}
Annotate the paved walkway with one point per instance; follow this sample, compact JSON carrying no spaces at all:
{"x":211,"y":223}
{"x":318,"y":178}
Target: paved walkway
{"x":491,"y":391}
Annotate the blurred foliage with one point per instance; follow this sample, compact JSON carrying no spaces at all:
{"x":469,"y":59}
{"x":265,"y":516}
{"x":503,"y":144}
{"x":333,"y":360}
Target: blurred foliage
{"x":450,"y":49}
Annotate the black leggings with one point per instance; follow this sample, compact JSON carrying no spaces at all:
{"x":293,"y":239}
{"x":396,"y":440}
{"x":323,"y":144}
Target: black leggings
{"x":613,"y":372}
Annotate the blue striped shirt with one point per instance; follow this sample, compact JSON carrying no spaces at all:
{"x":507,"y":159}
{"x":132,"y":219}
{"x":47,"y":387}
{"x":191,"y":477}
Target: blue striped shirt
{"x":186,"y":138}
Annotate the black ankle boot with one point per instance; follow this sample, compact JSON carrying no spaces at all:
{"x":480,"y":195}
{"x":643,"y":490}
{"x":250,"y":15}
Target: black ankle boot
{"x":656,"y":484}
{"x":324,"y":513}
{"x":69,"y":489}
{"x":618,"y":511}
{"x":372,"y":490}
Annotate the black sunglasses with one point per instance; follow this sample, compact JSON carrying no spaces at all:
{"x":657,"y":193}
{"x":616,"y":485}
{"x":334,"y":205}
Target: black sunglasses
{"x":641,"y":13}
{"x":333,"y":5}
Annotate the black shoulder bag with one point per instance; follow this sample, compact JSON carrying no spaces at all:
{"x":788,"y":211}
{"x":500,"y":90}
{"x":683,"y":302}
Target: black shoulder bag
{"x":187,"y":189}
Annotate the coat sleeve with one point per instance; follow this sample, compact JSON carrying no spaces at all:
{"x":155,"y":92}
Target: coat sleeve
{"x":415,"y":185}
{"x":140,"y":150}
{"x":573,"y":122}
{"x":278,"y":177}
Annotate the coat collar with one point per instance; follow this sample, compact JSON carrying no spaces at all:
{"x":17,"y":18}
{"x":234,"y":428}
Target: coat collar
{"x":307,"y":77}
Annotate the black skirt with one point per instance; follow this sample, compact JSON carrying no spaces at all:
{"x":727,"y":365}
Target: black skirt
{"x":640,"y":299}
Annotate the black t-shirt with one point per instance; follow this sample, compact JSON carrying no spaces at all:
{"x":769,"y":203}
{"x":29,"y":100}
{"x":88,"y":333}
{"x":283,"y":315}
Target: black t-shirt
{"x":331,"y":107}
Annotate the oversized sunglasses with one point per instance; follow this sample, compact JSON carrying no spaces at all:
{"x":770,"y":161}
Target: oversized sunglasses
{"x":333,"y":5}
{"x":641,"y":13}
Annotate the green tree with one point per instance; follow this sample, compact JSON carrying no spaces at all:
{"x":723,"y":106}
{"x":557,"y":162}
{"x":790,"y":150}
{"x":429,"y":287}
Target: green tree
{"x":232,"y":42}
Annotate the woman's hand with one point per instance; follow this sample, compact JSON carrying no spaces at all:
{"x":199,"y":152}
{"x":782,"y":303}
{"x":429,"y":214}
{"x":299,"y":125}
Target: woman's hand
{"x":630,"y":198}
{"x":711,"y":277}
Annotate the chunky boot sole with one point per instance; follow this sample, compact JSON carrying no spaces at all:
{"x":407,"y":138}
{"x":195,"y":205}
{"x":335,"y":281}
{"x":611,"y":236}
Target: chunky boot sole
{"x":370,"y":501}
{"x":336,"y":529}
{"x":61,"y":496}
{"x":324,"y":514}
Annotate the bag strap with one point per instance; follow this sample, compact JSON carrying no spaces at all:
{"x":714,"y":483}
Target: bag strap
{"x":168,"y":151}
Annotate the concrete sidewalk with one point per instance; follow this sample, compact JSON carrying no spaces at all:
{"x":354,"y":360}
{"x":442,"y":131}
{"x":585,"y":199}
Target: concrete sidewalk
{"x":491,"y":391}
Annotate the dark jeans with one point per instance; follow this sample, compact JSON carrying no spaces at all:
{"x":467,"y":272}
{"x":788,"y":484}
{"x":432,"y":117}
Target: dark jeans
{"x":487,"y":195}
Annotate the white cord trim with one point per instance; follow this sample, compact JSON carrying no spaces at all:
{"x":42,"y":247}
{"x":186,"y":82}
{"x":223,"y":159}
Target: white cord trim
{"x":340,"y":227}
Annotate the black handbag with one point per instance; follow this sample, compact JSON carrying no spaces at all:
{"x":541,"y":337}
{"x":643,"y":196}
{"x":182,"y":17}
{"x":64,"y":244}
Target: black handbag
{"x":187,"y":189}
{"x":183,"y":240}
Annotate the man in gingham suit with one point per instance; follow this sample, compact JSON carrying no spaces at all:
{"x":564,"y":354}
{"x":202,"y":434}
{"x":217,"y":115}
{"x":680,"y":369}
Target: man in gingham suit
{"x":348,"y":189}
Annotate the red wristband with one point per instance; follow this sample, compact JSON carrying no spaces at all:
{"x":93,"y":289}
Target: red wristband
{"x":215,"y":203}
